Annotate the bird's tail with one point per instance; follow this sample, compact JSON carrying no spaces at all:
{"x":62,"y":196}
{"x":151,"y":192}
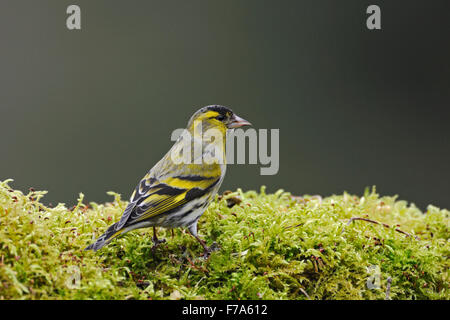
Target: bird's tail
{"x":105,"y":238}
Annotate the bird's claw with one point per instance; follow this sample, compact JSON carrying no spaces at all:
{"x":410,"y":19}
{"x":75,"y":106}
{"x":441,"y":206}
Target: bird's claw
{"x":208,"y":250}
{"x":156,"y":243}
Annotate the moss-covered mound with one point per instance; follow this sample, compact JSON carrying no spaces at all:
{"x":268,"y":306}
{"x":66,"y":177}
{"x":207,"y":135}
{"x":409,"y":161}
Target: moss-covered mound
{"x":272,"y":246}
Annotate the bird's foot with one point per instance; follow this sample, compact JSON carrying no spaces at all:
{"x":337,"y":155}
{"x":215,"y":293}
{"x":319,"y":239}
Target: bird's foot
{"x":208,"y":250}
{"x":156,"y":243}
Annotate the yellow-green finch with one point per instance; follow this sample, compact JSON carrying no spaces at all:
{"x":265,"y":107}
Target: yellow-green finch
{"x":175,"y":193}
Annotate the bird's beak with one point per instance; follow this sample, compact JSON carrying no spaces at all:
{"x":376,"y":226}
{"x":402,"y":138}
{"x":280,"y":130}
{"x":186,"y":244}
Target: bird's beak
{"x":237,"y":122}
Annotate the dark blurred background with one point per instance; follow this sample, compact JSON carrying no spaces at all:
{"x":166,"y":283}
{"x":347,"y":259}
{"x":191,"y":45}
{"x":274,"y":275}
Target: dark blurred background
{"x":92,"y":110}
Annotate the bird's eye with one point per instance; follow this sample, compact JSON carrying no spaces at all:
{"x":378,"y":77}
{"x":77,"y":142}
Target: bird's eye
{"x":220,"y":117}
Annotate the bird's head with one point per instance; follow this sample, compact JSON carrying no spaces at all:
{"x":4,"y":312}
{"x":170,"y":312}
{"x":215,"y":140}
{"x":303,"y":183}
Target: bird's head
{"x":217,"y":117}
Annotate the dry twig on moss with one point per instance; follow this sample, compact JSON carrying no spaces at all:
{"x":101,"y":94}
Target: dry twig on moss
{"x":376,"y":222}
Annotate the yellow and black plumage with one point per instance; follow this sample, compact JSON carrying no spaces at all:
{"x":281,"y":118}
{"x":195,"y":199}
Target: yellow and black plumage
{"x":176,"y":193}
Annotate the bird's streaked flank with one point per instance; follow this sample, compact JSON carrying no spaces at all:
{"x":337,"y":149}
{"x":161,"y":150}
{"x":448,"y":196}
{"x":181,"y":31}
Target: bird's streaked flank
{"x":175,"y":193}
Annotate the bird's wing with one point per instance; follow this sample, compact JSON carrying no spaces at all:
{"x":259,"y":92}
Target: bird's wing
{"x":154,"y":196}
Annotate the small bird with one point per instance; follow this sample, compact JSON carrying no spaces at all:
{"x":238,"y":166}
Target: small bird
{"x":176,"y":192}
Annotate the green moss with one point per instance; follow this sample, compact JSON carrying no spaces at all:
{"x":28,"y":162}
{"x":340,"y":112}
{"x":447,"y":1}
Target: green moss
{"x":272,"y":246}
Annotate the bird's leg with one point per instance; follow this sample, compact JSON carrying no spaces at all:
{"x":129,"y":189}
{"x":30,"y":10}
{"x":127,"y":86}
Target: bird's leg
{"x":206,"y":250}
{"x":155,"y":239}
